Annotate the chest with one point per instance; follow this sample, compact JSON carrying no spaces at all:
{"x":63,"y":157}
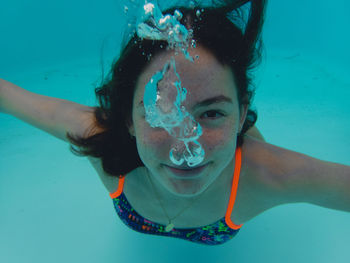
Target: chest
{"x":254,"y":196}
{"x":249,"y":202}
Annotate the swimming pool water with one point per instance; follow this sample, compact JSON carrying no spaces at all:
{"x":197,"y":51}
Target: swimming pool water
{"x":53,"y":206}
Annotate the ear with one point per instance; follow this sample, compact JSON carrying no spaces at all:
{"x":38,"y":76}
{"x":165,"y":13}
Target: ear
{"x":132,"y":130}
{"x":242,"y":117}
{"x":130,"y":127}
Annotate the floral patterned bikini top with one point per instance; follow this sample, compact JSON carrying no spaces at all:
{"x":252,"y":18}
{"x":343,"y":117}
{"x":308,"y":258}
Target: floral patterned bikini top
{"x":216,"y":233}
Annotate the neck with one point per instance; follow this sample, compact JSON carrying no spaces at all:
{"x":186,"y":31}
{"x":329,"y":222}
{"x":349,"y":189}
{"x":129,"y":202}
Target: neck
{"x":221,"y":184}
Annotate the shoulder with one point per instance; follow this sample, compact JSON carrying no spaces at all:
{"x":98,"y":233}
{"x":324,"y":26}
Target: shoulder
{"x":286,"y":176}
{"x":109,"y":181}
{"x":271,"y":159}
{"x":264,"y":184}
{"x":91,"y":128}
{"x":271,"y":168}
{"x":89,"y":122}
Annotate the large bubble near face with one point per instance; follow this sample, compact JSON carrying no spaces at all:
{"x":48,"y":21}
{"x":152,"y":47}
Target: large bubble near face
{"x":162,"y":100}
{"x":164,"y":95}
{"x":152,"y":24}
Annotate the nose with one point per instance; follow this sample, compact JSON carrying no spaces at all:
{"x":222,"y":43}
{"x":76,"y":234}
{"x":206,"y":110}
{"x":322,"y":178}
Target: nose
{"x":187,"y":153}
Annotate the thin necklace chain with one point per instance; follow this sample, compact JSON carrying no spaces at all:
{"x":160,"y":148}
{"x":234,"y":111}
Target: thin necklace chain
{"x":161,"y":202}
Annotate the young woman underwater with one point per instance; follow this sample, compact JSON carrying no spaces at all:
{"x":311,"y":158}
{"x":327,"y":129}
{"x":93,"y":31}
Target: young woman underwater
{"x":240,"y":176}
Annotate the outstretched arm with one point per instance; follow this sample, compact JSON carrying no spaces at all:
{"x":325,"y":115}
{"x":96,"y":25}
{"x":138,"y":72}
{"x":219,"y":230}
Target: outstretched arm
{"x":53,"y":115}
{"x":321,"y":183}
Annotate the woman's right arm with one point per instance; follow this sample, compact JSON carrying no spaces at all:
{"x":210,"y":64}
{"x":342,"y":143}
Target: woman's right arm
{"x":53,"y":115}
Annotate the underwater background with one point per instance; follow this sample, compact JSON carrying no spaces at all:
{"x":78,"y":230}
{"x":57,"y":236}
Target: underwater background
{"x":54,"y":208}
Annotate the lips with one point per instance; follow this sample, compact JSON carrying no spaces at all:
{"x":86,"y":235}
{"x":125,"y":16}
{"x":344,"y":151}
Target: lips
{"x":186,"y":171}
{"x":186,"y":167}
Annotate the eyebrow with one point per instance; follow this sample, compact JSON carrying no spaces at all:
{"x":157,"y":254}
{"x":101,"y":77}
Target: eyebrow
{"x":207,"y":102}
{"x":213,"y":100}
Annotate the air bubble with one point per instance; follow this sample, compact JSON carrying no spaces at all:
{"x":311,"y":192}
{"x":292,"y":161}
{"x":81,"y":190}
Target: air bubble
{"x":161,"y":109}
{"x":171,"y":115}
{"x":126,"y":9}
{"x":178,"y":15}
{"x":193,"y":43}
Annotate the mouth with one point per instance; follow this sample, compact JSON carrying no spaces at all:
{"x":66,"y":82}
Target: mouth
{"x":186,"y":171}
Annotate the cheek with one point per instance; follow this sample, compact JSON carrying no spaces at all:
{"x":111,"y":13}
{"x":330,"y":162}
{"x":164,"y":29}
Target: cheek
{"x":152,"y":141}
{"x":153,"y":137}
{"x":218,"y":139}
{"x":222,"y":138}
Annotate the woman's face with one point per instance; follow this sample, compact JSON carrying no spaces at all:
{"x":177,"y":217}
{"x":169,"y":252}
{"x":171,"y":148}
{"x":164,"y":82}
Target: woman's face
{"x":204,"y":79}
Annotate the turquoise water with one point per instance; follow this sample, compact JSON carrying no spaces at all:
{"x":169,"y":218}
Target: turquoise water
{"x":53,"y":206}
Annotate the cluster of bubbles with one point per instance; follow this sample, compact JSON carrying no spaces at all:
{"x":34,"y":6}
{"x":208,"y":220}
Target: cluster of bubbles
{"x":152,"y":24}
{"x":163,"y":100}
{"x":166,"y":4}
{"x":164,"y":95}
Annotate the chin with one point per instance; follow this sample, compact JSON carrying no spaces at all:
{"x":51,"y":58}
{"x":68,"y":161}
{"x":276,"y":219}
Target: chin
{"x":186,"y":188}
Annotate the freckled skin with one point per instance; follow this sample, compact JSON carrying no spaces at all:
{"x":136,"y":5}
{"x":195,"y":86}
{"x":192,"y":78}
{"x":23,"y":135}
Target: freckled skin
{"x":205,"y":78}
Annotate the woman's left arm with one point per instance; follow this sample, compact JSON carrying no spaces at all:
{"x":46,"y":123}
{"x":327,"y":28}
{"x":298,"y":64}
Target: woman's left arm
{"x":319,"y":182}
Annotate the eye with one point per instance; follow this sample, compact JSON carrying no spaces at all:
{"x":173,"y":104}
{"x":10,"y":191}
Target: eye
{"x":212,"y":114}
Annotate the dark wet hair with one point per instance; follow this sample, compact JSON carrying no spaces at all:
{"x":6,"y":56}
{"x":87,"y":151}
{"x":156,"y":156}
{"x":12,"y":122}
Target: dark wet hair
{"x":237,"y":48}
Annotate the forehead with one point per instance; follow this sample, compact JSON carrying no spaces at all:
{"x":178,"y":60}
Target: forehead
{"x":202,"y":78}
